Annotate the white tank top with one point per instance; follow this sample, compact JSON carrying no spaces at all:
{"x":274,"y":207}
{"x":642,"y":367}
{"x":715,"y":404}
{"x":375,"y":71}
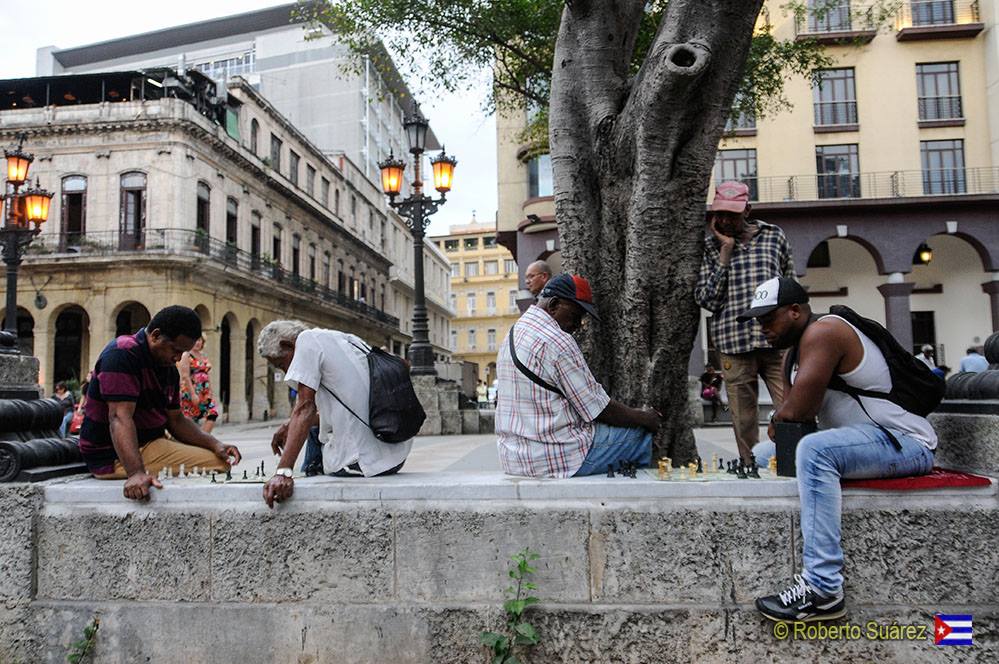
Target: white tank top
{"x":840,"y":409}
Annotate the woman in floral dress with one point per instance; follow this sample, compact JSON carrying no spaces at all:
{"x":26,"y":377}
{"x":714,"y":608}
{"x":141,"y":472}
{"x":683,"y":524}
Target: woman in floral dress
{"x":196,"y":399}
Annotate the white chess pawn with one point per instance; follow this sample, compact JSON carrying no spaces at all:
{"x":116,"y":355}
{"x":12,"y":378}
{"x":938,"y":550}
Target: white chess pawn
{"x":197,"y":472}
{"x":169,"y":472}
{"x":180,"y":472}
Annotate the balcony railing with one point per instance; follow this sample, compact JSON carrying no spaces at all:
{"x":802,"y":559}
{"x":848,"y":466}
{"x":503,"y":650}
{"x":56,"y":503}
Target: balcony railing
{"x":940,"y":108}
{"x":836,"y":18}
{"x":195,"y":244}
{"x":832,"y":113}
{"x":924,"y":13}
{"x":889,"y":184}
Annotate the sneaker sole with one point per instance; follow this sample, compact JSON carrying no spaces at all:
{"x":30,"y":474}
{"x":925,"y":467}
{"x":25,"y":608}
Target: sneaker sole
{"x":816,"y":618}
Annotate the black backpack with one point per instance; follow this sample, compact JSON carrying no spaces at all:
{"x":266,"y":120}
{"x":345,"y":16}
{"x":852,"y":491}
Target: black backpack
{"x":913,"y":386}
{"x":394,"y":413}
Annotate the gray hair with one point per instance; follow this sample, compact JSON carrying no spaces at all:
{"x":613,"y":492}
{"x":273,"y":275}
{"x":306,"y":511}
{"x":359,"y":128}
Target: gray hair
{"x":269,"y":343}
{"x":542,"y":266}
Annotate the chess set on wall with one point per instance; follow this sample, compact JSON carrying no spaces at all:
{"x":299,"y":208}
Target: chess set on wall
{"x":215,"y":477}
{"x":718,"y":469}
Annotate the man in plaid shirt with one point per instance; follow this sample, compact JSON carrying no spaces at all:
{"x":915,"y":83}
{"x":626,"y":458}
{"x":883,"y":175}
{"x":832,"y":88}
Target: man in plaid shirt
{"x":738,"y":255}
{"x":553,"y":419}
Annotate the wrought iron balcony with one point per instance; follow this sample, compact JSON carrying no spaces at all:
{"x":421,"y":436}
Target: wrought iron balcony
{"x":197,"y":245}
{"x":838,"y":22}
{"x":939,"y":19}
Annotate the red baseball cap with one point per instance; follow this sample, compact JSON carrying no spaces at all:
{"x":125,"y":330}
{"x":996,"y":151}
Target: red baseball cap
{"x":571,"y":287}
{"x":731,"y":197}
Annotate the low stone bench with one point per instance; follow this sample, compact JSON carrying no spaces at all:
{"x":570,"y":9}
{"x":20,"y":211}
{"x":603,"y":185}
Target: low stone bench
{"x":410,"y":568}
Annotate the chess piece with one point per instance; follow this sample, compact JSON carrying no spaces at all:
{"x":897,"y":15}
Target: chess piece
{"x":244,"y":475}
{"x":213,"y":477}
{"x":169,"y":474}
{"x":262,"y":472}
{"x":683,"y":472}
{"x":721,"y":466}
{"x":714,"y":462}
{"x":754,"y":470}
{"x":772,"y":465}
{"x":180,"y":472}
{"x":731,"y":467}
{"x":662,"y":470}
{"x":610,"y":470}
{"x":700,"y":466}
{"x":740,"y":472}
{"x":228,"y":475}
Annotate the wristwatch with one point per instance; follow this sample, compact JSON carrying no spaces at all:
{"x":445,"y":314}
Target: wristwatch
{"x":285,"y":472}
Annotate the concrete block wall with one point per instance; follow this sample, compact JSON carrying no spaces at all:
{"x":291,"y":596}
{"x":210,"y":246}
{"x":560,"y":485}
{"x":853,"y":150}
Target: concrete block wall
{"x":967,"y":442}
{"x":410,"y":569}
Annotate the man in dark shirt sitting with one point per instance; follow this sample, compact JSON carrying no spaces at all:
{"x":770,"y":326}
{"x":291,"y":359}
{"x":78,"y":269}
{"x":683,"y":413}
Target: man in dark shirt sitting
{"x":133,"y":400}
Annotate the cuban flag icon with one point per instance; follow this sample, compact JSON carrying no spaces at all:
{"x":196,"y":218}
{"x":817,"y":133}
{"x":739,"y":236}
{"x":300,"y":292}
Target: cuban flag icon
{"x":952,"y":630}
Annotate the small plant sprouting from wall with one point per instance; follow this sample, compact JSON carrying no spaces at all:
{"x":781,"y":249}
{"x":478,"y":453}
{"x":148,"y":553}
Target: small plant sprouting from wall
{"x":80,"y":651}
{"x":519,"y":633}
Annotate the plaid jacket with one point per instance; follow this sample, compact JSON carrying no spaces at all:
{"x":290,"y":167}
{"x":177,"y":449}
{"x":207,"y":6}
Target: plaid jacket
{"x":539,"y":433}
{"x":728,"y":291}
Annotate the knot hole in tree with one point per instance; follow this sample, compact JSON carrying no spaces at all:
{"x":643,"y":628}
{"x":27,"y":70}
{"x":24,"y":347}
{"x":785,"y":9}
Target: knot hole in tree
{"x":687,"y":59}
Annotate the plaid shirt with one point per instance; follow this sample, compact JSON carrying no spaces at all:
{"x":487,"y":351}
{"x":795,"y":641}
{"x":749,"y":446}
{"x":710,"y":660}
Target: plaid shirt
{"x":541,"y":434}
{"x":728,"y":291}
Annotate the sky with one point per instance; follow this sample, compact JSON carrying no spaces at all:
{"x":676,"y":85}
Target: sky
{"x":456,"y":119}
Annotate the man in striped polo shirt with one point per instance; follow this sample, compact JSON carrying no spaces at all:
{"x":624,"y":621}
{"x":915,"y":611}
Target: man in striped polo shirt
{"x":133,"y":400}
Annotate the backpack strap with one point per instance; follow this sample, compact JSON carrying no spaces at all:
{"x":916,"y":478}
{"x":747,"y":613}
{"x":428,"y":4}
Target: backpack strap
{"x":535,"y":378}
{"x":345,"y":405}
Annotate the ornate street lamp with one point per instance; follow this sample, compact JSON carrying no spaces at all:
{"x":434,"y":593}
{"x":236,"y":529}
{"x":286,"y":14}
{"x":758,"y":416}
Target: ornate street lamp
{"x":923,"y":255}
{"x":23,"y":216}
{"x":416,"y":209}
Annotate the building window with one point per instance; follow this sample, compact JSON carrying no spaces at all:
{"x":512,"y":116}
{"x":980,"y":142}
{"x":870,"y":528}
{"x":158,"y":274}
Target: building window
{"x":276,"y":245}
{"x":737,"y":165}
{"x":454,"y":302}
{"x":932,"y":12}
{"x":838,"y":169}
{"x":74,"y":211}
{"x":490,"y":302}
{"x":310,"y":180}
{"x":470,"y":303}
{"x":491,"y":340}
{"x":450,"y":245}
{"x":513,"y":300}
{"x":939,"y":91}
{"x":203,"y":213}
{"x":828,"y":15}
{"x":472,"y":269}
{"x":491,"y":267}
{"x":471,"y":243}
{"x":293,"y":160}
{"x":744,"y":120}
{"x":296,"y":254}
{"x":454,"y":341}
{"x":336,"y":202}
{"x":943,"y":167}
{"x":353,"y":208}
{"x":539,"y":177}
{"x":276,"y":153}
{"x":254,"y":133}
{"x":341,"y":277}
{"x":326,"y":269}
{"x":312,"y":262}
{"x":231,"y":222}
{"x":455,"y":270}
{"x":255,"y":236}
{"x":835,"y":97}
{"x":132,"y":217}
{"x":471,"y":340}
{"x":324,"y":193}
{"x":510,"y":266}
{"x":489,"y":242}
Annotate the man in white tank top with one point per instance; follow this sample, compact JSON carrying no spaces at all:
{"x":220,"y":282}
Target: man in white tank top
{"x":848,"y":444}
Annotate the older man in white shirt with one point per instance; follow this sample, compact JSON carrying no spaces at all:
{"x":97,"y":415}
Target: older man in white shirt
{"x":320,"y":362}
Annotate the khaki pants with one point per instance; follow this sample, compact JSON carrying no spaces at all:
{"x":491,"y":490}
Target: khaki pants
{"x":740,"y":373}
{"x":164,"y":452}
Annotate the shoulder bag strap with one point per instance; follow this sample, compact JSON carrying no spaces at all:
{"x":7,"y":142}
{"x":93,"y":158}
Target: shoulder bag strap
{"x":535,"y":378}
{"x":345,"y":405}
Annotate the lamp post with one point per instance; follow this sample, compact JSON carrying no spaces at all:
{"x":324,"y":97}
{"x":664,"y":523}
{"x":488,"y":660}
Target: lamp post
{"x":23,"y":216}
{"x":416,"y":209}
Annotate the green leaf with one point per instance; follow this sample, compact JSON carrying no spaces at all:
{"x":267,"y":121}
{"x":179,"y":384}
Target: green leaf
{"x":527,"y":630}
{"x":530,"y":600}
{"x":489,"y":638}
{"x":511,"y":660}
{"x":514,"y":606}
{"x":73,"y":658}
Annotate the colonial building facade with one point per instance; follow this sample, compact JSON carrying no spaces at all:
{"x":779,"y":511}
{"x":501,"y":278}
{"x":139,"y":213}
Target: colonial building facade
{"x":888,"y":153}
{"x":483,"y":294}
{"x":167,"y":194}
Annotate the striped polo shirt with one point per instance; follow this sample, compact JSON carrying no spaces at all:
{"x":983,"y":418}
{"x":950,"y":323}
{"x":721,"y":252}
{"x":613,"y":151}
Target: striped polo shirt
{"x":126,"y":371}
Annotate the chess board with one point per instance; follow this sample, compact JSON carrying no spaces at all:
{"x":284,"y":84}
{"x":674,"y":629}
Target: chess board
{"x":256,"y":475}
{"x":717,"y":476}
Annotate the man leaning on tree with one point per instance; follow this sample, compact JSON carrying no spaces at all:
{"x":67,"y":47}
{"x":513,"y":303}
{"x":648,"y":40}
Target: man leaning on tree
{"x":740,"y":253}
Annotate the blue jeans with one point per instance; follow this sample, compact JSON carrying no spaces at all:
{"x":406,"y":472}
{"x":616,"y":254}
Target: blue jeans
{"x":822,"y":459}
{"x":611,"y":445}
{"x":64,"y":427}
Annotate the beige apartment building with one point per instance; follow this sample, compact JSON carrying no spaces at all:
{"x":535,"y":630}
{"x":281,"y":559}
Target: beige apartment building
{"x":889,"y":152}
{"x":169,"y":190}
{"x":483,"y":294}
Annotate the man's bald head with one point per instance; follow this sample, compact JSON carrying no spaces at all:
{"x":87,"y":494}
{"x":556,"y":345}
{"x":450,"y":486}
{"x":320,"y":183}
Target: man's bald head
{"x":537,"y":275}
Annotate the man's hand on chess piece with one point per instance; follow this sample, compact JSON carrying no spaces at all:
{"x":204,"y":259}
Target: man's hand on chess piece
{"x":277,"y":442}
{"x":228,"y":453}
{"x":278,"y":489}
{"x":137,"y":486}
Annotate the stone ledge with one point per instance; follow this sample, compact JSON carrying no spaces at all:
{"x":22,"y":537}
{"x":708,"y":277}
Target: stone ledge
{"x":461,"y":487}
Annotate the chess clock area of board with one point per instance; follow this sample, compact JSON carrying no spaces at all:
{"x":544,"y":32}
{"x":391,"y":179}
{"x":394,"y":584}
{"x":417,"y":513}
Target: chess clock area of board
{"x":257,"y":476}
{"x":718,"y":469}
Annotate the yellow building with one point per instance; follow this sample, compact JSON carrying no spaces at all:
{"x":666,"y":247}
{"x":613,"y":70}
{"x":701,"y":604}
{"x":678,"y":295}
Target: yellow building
{"x":889,"y":151}
{"x":483,"y":294}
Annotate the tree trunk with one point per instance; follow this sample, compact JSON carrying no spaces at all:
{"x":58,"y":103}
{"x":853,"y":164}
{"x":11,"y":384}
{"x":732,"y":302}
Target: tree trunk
{"x":632,"y":158}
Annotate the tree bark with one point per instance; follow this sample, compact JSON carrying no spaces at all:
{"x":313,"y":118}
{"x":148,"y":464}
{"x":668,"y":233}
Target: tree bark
{"x":632,"y":158}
